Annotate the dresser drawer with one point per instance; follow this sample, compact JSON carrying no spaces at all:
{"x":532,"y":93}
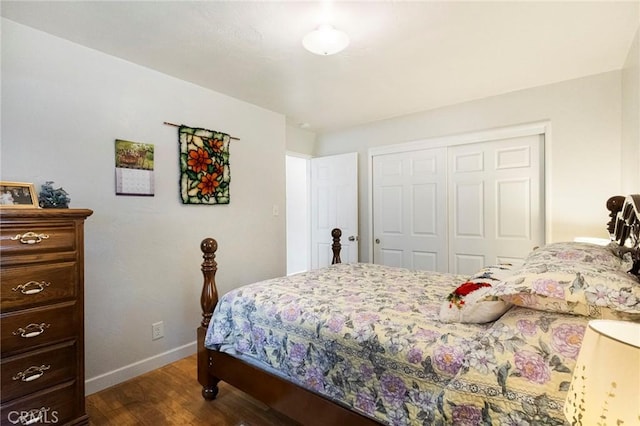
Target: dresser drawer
{"x":38,"y":370}
{"x":24,"y":286}
{"x":24,"y":330}
{"x":56,"y":405}
{"x":19,"y":239}
{"x":24,"y":239}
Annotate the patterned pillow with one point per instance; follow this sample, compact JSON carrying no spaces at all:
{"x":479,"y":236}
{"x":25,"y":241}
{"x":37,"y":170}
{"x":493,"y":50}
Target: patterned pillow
{"x":578,"y":278}
{"x":470,"y":302}
{"x":572,"y":252}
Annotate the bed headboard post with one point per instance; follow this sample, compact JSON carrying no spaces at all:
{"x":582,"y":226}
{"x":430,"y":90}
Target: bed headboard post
{"x":336,"y":233}
{"x":624,"y":227}
{"x":209,"y":297}
{"x":614,"y":205}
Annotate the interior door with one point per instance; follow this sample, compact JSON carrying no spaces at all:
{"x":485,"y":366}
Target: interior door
{"x":334,"y":204}
{"x":409,"y":209}
{"x":495,"y":202}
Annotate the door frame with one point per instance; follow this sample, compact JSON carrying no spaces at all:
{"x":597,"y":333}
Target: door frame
{"x":528,"y":129}
{"x":307,"y":212}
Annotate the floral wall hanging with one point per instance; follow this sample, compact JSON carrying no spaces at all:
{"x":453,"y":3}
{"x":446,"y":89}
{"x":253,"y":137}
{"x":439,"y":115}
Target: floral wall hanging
{"x":204,"y":166}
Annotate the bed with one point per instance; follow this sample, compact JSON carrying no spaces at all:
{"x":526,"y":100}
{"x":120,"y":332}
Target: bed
{"x":365,"y":344}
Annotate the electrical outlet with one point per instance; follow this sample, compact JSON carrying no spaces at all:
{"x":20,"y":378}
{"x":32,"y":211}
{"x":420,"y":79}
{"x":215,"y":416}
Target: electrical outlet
{"x":157,"y":330}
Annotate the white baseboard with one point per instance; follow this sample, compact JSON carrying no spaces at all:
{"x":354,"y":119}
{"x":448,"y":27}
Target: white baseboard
{"x":103,"y":381}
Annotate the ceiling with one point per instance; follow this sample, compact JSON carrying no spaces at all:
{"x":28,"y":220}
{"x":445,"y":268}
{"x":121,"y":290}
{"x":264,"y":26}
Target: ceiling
{"x":403,"y":57}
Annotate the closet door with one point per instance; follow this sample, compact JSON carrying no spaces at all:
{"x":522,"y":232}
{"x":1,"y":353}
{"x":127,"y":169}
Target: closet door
{"x":409,"y":209}
{"x":495,"y":202}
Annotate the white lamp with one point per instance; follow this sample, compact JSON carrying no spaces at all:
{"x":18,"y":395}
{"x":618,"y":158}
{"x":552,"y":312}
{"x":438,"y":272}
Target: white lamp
{"x":605,"y":389}
{"x":326,"y":40}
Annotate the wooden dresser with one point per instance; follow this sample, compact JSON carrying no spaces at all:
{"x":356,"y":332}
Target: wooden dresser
{"x":42,"y":317}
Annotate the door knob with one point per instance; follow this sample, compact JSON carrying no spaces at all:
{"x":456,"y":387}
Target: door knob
{"x":352,"y":238}
{"x":377,"y":240}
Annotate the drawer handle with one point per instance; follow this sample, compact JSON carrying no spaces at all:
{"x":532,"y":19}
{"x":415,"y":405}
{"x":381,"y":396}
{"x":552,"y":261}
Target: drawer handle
{"x":32,"y":373}
{"x":32,"y":287}
{"x":30,"y":238}
{"x":32,"y":330}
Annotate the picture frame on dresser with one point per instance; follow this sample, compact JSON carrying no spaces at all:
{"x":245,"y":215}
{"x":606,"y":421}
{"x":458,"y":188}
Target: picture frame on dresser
{"x":18,"y":195}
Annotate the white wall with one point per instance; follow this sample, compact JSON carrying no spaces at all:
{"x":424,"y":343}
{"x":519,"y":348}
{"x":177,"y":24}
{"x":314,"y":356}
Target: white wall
{"x":300,"y":140}
{"x":584,"y":151}
{"x":631,"y":119}
{"x":63,"y":106}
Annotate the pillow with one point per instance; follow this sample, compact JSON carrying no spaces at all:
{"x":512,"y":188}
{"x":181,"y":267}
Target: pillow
{"x":493,"y":273}
{"x":568,"y":254}
{"x":578,"y":278}
{"x":470,"y":302}
{"x":623,"y":253}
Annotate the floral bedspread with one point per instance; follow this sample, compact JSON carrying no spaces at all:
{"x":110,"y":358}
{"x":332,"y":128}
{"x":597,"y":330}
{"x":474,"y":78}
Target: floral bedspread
{"x":369,"y":337}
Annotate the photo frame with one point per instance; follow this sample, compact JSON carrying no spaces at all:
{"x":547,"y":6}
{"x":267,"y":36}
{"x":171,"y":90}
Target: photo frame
{"x":18,"y":195}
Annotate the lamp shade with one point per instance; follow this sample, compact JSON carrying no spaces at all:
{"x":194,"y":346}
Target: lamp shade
{"x":605,"y":389}
{"x":326,"y":40}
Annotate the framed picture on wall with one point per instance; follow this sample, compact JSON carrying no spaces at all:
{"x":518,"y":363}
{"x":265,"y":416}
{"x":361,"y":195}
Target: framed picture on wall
{"x":18,"y":195}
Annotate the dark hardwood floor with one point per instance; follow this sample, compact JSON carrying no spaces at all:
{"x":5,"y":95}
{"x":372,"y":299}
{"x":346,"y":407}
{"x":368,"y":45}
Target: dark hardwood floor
{"x":171,"y":396}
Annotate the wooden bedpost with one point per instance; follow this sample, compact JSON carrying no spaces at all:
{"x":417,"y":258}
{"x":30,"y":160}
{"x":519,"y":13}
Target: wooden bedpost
{"x":614,"y":205}
{"x":209,"y":296}
{"x":624,"y":227}
{"x":208,"y":301}
{"x":336,"y":233}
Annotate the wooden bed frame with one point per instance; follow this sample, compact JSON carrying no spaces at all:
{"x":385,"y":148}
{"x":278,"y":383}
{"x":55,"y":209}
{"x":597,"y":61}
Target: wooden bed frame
{"x":310,"y":408}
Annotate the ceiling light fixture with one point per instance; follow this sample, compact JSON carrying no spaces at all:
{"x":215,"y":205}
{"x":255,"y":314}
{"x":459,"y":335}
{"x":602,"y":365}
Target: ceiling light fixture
{"x":326,"y":40}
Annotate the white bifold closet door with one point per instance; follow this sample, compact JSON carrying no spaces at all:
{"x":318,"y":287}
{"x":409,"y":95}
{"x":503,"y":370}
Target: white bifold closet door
{"x":461,"y":207}
{"x":496,"y":207}
{"x":409,"y":214}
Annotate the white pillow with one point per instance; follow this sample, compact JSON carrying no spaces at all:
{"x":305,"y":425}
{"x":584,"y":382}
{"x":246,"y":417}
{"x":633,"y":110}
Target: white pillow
{"x":473,"y":306}
{"x":494,"y":273}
